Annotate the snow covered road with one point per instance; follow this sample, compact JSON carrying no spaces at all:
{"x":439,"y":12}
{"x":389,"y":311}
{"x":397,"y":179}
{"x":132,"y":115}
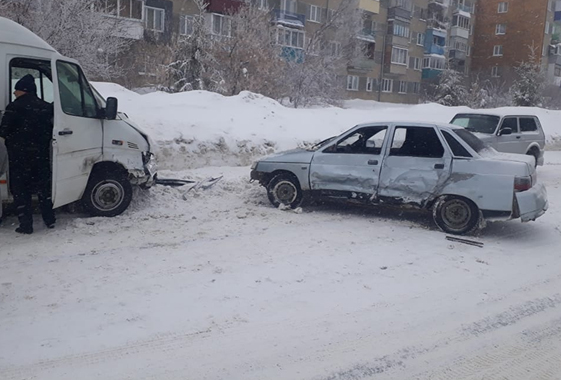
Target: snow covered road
{"x":218,"y":284}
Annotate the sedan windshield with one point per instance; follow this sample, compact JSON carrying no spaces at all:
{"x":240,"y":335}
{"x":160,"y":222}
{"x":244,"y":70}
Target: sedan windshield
{"x":472,"y":140}
{"x":320,"y":144}
{"x":477,"y":123}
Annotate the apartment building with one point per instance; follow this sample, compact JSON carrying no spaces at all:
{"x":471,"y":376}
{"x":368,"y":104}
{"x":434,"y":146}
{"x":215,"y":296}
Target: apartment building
{"x":506,"y":34}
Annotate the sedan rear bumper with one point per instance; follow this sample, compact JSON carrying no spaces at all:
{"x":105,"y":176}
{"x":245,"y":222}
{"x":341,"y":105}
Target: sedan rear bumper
{"x":532,"y":203}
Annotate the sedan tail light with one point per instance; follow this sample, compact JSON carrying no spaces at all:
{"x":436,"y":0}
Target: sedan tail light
{"x":522,"y":183}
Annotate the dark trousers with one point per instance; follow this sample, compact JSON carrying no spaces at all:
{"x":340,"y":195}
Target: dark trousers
{"x":31,"y":174}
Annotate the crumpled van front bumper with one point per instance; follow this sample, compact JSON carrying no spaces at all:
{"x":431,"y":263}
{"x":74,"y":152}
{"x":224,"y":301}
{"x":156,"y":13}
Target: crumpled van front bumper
{"x":532,"y":203}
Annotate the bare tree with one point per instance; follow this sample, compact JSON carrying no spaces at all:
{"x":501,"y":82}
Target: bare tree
{"x":316,"y":75}
{"x":75,"y":29}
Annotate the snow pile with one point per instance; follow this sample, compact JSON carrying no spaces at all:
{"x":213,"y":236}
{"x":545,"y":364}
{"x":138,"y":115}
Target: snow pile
{"x":199,"y":128}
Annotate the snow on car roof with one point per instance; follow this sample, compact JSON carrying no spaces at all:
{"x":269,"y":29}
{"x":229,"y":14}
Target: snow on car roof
{"x":410,"y":123}
{"x":511,"y":111}
{"x":16,"y":34}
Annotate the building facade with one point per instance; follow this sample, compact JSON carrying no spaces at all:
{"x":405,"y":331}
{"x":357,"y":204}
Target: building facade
{"x":507,"y":33}
{"x":404,"y":43}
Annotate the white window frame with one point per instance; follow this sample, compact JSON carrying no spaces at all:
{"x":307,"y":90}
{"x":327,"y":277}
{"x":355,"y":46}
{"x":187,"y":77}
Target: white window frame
{"x":387,"y":85}
{"x":495,"y":72}
{"x":315,"y":14}
{"x":503,"y":7}
{"x":547,"y":27}
{"x":498,"y":51}
{"x":500,"y":29}
{"x":222,"y":18}
{"x":401,"y":30}
{"x":421,"y":39}
{"x":162,"y":18}
{"x":352,"y":82}
{"x":263,"y":4}
{"x":184,"y":22}
{"x":402,"y":87}
{"x":369,"y":84}
{"x":335,"y":49}
{"x":399,"y":56}
{"x":417,"y":64}
{"x":289,"y":6}
{"x":282,"y":31}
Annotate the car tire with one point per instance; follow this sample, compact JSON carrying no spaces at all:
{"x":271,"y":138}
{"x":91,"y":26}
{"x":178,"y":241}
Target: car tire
{"x":456,"y":215}
{"x":108,"y":194}
{"x":532,"y":152}
{"x":285,"y":189}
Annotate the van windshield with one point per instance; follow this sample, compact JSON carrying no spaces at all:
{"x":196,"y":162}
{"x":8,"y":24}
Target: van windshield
{"x":477,"y":123}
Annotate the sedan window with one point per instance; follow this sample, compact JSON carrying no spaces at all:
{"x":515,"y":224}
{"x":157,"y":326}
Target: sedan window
{"x":416,"y":142}
{"x":363,"y":141}
{"x":472,"y":140}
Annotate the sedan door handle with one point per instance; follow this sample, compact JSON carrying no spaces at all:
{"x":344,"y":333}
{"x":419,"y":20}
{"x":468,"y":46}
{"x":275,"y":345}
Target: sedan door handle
{"x":65,"y":132}
{"x":439,"y":166}
{"x":518,"y":137}
{"x":372,"y":162}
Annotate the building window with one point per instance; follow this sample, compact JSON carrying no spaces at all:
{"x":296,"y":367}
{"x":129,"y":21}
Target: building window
{"x":352,"y":82}
{"x":402,"y":87}
{"x":416,"y":88}
{"x":387,"y":85}
{"x":547,"y":27}
{"x":420,"y":39}
{"x":400,"y":30}
{"x":185,"y":25}
{"x":288,"y":6}
{"x":369,"y":84}
{"x":495,"y":72}
{"x":315,"y":13}
{"x":557,"y":72}
{"x":154,"y":19}
{"x":461,"y":22}
{"x":399,"y":56}
{"x":435,"y":63}
{"x":290,"y":37}
{"x":335,"y":49}
{"x":263,"y":4}
{"x":498,"y":50}
{"x":500,"y":29}
{"x":503,"y":7}
{"x":221,"y":25}
{"x":415,"y":63}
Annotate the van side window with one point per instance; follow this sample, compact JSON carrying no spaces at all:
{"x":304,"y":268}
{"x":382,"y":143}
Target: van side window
{"x":76,"y":97}
{"x":457,"y":149}
{"x":510,"y":122}
{"x":528,"y":124}
{"x":40,"y":70}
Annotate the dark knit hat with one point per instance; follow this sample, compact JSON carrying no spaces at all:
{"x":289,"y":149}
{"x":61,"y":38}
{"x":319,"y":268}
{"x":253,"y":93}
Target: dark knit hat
{"x":26,"y":84}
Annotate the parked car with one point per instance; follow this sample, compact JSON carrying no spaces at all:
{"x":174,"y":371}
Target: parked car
{"x":443,"y":168}
{"x":507,"y":132}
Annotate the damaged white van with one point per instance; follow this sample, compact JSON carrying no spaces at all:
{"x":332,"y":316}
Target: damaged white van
{"x":97,"y":153}
{"x":443,"y":168}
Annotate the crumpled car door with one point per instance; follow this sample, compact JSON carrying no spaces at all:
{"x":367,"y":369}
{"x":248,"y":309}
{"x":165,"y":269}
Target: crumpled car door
{"x":417,"y":165}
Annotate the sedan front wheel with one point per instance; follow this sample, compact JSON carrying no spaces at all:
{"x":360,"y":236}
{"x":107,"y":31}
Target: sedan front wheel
{"x":285,"y":189}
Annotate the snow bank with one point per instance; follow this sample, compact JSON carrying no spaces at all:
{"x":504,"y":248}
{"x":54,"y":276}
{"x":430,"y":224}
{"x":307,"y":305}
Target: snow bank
{"x":199,"y":128}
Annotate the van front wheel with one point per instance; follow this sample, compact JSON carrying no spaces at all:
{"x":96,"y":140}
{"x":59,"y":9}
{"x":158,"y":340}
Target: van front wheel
{"x":107,"y":194}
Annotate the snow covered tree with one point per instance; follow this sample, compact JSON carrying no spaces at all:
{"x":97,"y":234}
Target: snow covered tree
{"x":75,"y":29}
{"x":450,"y":90}
{"x":192,"y":64}
{"x":527,"y":90}
{"x":315,"y":76}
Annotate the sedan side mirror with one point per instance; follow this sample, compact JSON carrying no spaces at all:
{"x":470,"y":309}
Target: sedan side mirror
{"x":111,"y":108}
{"x":505,"y":131}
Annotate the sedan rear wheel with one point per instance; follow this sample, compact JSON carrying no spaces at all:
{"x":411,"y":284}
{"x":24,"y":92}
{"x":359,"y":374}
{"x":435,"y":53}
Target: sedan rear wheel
{"x":456,"y":215}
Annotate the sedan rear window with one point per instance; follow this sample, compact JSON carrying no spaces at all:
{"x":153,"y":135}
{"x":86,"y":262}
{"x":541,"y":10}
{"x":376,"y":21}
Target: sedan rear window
{"x":470,"y":139}
{"x":477,"y":123}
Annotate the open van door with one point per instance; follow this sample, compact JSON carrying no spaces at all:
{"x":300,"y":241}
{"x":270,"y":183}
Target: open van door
{"x":77,"y":132}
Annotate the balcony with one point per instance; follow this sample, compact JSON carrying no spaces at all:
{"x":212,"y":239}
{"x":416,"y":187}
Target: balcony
{"x":457,"y":31}
{"x":223,"y":6}
{"x":398,"y":13}
{"x":289,"y":19}
{"x":458,"y":55}
{"x":362,"y":64}
{"x":441,"y":3}
{"x":369,"y":6}
{"x":436,"y":50}
{"x":129,"y":28}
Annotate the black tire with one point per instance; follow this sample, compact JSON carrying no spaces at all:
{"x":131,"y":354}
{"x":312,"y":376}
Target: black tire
{"x":285,"y":189}
{"x":536,"y":155}
{"x":456,"y":215}
{"x":108,"y":194}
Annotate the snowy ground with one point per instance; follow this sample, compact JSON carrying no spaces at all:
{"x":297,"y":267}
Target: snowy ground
{"x":218,"y":284}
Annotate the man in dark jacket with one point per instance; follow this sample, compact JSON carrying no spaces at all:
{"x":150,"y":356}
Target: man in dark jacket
{"x":27,"y":127}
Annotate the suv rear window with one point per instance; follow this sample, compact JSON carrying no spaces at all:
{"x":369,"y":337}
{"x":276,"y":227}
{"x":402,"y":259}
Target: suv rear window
{"x":528,"y":124}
